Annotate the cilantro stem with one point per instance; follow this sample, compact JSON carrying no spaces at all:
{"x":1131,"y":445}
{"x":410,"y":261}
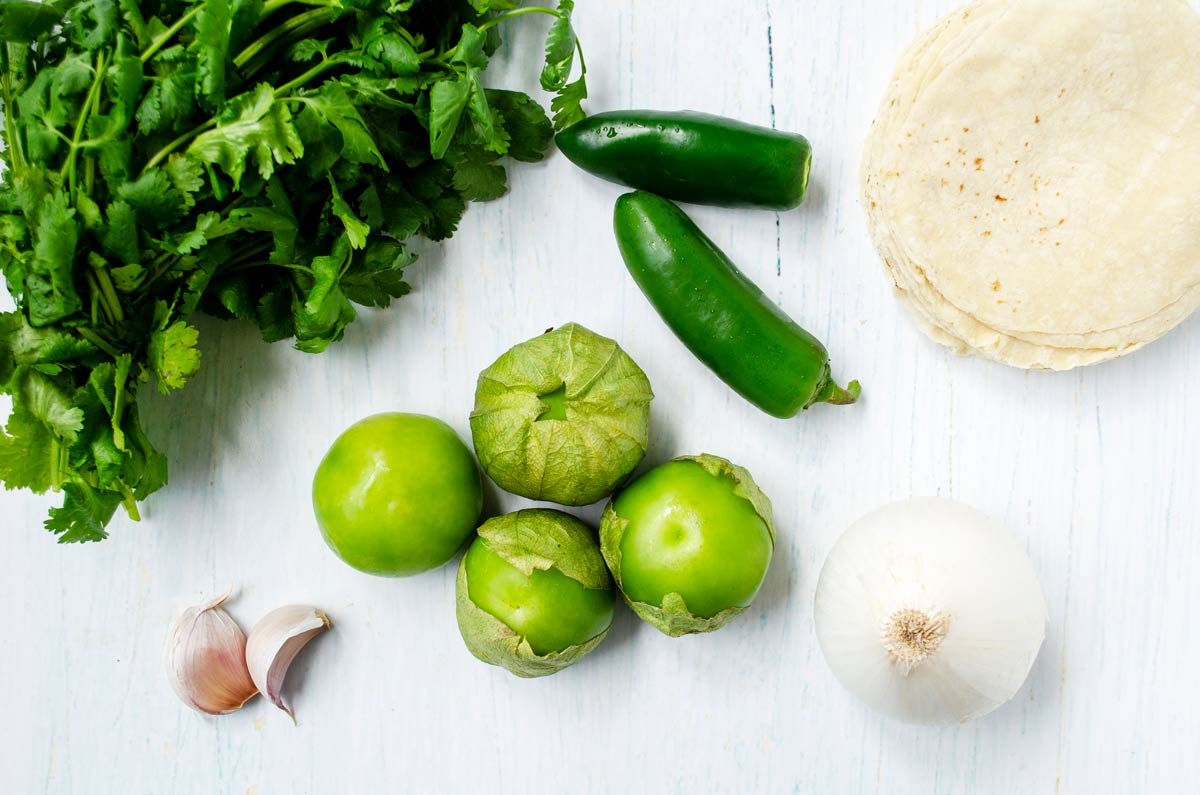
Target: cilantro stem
{"x":324,"y":66}
{"x":170,"y":32}
{"x":249,"y":252}
{"x":98,"y":298}
{"x":160,"y":264}
{"x":161,"y":154}
{"x":271,"y":6}
{"x":112,"y":302}
{"x":94,"y":304}
{"x":129,"y":501}
{"x":408,"y":37}
{"x":10,"y":113}
{"x":91,"y":336}
{"x":255,"y":65}
{"x":118,"y":411}
{"x":64,"y":464}
{"x":319,"y":16}
{"x":85,"y":112}
{"x":245,"y":259}
{"x":258,"y":263}
{"x":582,"y":63}
{"x":496,"y":20}
{"x":56,"y":477}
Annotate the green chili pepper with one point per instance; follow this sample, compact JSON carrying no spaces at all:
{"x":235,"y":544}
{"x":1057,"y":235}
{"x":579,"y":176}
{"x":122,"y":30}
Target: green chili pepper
{"x":692,"y":157}
{"x":722,"y":317}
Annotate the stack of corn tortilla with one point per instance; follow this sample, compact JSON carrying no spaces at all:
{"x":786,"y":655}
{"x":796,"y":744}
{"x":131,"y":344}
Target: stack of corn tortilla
{"x":1032,"y":181}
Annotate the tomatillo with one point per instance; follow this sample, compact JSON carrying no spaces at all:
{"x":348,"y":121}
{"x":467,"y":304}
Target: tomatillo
{"x":397,"y":494}
{"x":689,"y":543}
{"x":563,"y":417}
{"x":533,"y":594}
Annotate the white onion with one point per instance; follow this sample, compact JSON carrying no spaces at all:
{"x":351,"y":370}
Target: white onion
{"x":930,"y":612}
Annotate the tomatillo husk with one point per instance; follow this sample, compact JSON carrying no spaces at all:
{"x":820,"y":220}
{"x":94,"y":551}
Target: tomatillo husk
{"x":563,"y":417}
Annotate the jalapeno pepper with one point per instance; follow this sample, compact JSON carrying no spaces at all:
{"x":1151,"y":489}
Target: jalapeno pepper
{"x":692,"y":157}
{"x":719,"y":314}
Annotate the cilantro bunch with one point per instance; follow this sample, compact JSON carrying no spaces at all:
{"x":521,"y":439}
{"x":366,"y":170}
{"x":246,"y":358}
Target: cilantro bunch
{"x":264,"y":160}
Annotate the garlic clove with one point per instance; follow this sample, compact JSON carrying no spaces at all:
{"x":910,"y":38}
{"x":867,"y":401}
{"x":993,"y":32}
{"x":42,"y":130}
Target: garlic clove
{"x":206,"y":660}
{"x":275,"y":641}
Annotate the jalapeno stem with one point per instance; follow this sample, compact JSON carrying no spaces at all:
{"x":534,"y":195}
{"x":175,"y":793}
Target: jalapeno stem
{"x":836,"y":395}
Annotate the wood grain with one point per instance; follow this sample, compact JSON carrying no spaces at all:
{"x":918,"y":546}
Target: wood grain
{"x":1095,"y":470}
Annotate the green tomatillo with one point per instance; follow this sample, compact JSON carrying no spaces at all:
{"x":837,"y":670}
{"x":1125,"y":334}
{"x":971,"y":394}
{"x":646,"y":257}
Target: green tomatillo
{"x":533,"y":594}
{"x":689,"y":543}
{"x":563,"y":417}
{"x":397,"y":494}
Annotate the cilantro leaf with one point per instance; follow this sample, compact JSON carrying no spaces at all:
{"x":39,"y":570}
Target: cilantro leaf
{"x":470,"y":49}
{"x":492,"y":135}
{"x":307,"y":49}
{"x":477,"y":177}
{"x":24,"y":345}
{"x":146,"y":468}
{"x":27,"y":453}
{"x":321,"y":319}
{"x":173,"y":354}
{"x":168,"y":103}
{"x":484,"y":6}
{"x":208,"y":224}
{"x":246,"y":15}
{"x":376,"y":277}
{"x":154,"y":197}
{"x":568,"y":105}
{"x":376,"y":288}
{"x":48,"y":403}
{"x":230,"y":297}
{"x":334,"y":107}
{"x":95,"y":443}
{"x":262,"y":219}
{"x":212,"y":50}
{"x":121,"y":372}
{"x":22,"y":21}
{"x":445,"y":212}
{"x":186,"y":176}
{"x":108,"y":142}
{"x":84,"y":514}
{"x":125,"y":79}
{"x":253,"y":126}
{"x":274,"y":314}
{"x":447,"y":100}
{"x":49,"y":283}
{"x":356,"y":230}
{"x":94,"y":23}
{"x":120,"y":239}
{"x":529,"y":129}
{"x":383,"y":43}
{"x":560,"y":48}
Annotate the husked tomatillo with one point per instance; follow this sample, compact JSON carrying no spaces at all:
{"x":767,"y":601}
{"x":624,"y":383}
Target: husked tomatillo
{"x":689,"y":543}
{"x":533,"y":594}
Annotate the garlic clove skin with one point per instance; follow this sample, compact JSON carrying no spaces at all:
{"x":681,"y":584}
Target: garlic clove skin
{"x":930,"y":612}
{"x":275,"y":641}
{"x":205,"y":658}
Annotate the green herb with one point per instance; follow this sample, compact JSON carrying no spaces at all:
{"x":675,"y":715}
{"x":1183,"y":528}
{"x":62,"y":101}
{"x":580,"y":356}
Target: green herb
{"x":265,"y":161}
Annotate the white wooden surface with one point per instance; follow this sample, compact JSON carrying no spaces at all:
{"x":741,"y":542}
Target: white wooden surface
{"x":1096,"y":471}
